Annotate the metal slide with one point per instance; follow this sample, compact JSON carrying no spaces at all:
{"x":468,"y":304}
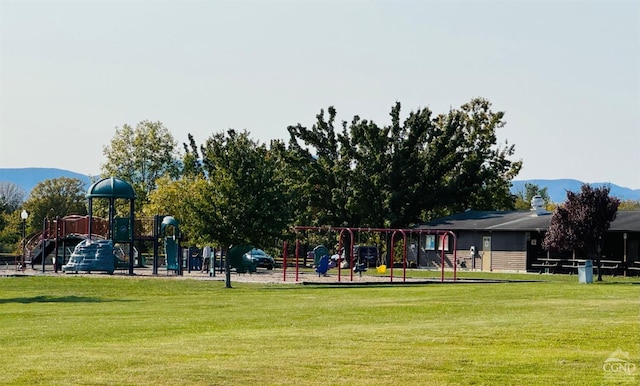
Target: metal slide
{"x":36,"y":252}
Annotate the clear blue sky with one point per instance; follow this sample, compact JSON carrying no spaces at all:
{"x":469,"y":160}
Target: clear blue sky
{"x":566,"y":73}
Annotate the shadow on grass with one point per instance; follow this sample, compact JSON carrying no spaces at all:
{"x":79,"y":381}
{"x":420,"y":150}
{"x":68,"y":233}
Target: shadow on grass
{"x":54,"y":299}
{"x":604,"y":282}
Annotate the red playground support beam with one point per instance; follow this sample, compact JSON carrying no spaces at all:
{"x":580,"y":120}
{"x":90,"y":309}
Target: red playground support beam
{"x":444,"y":234}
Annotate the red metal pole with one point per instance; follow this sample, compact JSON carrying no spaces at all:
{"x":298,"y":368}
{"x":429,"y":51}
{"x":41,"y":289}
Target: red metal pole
{"x":340,"y":244}
{"x":404,"y":253}
{"x":441,"y":233}
{"x":455,"y":255}
{"x":57,"y":222}
{"x":339,"y":257}
{"x":404,"y":258}
{"x":284,"y":262}
{"x":393,"y":244}
{"x":297,"y":259}
{"x":351,"y":253}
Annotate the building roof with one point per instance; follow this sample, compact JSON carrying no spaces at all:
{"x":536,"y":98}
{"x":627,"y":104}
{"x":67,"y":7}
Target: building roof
{"x":626,"y":221}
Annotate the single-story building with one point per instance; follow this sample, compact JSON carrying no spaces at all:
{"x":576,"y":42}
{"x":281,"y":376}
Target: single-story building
{"x":512,"y":241}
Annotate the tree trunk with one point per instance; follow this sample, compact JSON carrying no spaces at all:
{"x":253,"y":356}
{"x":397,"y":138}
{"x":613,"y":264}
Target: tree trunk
{"x":598,"y":264}
{"x":598,"y":256}
{"x":227,"y":271}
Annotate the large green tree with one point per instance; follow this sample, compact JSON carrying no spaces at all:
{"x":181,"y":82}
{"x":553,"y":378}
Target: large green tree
{"x":140,"y":156}
{"x":410,"y":171}
{"x":328,"y":172}
{"x":407,"y":190}
{"x":242,"y":202}
{"x":56,"y":197}
{"x":370,"y":174}
{"x":479,"y":170}
{"x":174,"y":198}
{"x":580,"y":223}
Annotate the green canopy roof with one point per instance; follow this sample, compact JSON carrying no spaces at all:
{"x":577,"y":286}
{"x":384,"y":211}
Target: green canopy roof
{"x":169,"y":220}
{"x":111,"y":188}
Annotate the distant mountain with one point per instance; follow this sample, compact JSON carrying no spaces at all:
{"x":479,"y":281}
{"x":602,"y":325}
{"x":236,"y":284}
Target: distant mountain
{"x":27,"y":178}
{"x":557,"y":189}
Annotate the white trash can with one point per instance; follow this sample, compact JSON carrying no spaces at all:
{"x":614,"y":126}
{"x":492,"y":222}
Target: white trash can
{"x":585,"y":272}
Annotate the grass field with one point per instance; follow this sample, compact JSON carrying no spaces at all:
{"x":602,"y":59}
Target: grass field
{"x":109,"y":330}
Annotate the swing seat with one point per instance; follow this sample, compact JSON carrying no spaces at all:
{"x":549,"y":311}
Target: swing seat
{"x":360,"y":267}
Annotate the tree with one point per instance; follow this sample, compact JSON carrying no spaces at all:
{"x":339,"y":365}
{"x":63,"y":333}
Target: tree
{"x":327,"y":181}
{"x":407,"y":180}
{"x":580,"y":223}
{"x":409,"y":171}
{"x":172,"y":197}
{"x":192,"y":166}
{"x":140,"y":156}
{"x":368,"y":203}
{"x":10,"y":232}
{"x":480,"y":171}
{"x":629,"y":205}
{"x":528,"y":191}
{"x":11,"y":196}
{"x":242,"y":201}
{"x":56,"y":197}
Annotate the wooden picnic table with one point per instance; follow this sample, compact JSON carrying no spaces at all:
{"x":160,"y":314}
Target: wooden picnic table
{"x":552,"y":265}
{"x":547,"y":264}
{"x":572,"y":264}
{"x":611,"y":265}
{"x":635,"y":266}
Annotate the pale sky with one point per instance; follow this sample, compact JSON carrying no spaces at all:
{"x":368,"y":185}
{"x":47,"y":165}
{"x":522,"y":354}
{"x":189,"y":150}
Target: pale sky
{"x":567,"y":73}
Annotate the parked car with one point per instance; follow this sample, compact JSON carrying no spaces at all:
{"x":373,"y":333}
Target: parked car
{"x":261,"y":259}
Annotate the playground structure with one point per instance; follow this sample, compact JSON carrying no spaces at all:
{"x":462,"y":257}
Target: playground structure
{"x":100,"y":244}
{"x":60,"y":237}
{"x":171,"y":244}
{"x":92,"y":255}
{"x":444,"y":237}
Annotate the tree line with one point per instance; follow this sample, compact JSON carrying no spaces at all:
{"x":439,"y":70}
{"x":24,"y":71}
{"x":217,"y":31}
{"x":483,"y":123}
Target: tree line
{"x":232,"y":189}
{"x":235,"y":190}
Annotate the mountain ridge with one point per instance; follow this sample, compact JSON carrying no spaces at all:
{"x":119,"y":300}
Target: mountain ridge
{"x":27,"y":178}
{"x":557,"y":188}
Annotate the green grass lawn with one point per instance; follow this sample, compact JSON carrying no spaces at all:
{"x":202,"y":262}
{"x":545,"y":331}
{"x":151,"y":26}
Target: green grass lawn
{"x":126,"y":330}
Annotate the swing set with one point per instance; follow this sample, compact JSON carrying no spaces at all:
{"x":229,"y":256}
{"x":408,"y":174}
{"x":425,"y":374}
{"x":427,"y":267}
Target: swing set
{"x":348,"y":234}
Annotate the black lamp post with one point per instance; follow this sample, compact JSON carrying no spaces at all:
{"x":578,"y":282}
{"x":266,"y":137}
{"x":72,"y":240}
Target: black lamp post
{"x":24,"y":216}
